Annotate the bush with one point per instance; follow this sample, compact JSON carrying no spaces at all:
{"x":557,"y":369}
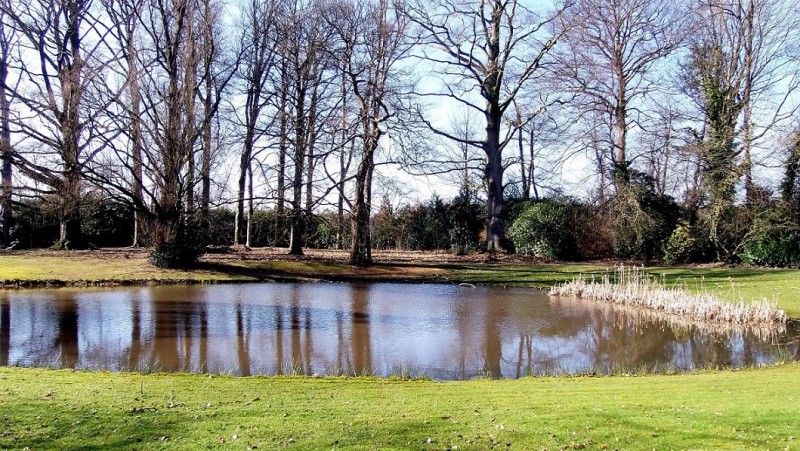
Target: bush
{"x":220,"y":227}
{"x":323,"y":230}
{"x":466,"y":223}
{"x":641,"y":219}
{"x":685,"y":245}
{"x":773,"y":241}
{"x":180,"y":247}
{"x":545,"y":229}
{"x":106,"y":223}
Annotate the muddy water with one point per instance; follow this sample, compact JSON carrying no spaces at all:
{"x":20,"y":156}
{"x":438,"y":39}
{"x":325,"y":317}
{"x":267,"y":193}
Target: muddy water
{"x":439,"y":331}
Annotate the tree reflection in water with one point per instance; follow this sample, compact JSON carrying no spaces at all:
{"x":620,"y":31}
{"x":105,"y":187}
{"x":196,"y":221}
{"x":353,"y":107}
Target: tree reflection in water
{"x":5,"y":329}
{"x":441,"y":331}
{"x":67,"y":338}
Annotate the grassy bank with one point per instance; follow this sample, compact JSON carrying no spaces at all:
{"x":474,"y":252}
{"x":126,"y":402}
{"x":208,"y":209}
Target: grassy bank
{"x":131,"y":266}
{"x":754,"y":408}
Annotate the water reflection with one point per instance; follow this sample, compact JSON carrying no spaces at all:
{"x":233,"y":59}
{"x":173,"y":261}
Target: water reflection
{"x":444,"y":332}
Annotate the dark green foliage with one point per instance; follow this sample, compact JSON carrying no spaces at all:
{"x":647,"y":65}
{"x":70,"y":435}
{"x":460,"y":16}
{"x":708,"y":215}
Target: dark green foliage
{"x":33,"y":227}
{"x":106,"y":223}
{"x":323,"y":231}
{"x":790,"y":186}
{"x":546,"y":229}
{"x":182,"y":247}
{"x":641,"y":220}
{"x":433,"y":225}
{"x":385,"y":227}
{"x":466,"y":223}
{"x":774,"y":240}
{"x":220,"y":227}
{"x":427,"y":225}
{"x":686,"y":244}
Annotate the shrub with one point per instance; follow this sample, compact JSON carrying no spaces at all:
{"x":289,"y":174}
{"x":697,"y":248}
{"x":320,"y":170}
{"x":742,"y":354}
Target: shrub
{"x":773,"y":241}
{"x":106,"y":223}
{"x":323,"y":230}
{"x":180,"y":247}
{"x":641,"y":219}
{"x":466,"y":222}
{"x":220,"y":226}
{"x":545,"y":229}
{"x":685,"y":245}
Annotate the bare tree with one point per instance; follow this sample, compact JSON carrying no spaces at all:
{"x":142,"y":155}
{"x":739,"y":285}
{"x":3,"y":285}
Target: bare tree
{"x":258,"y":58}
{"x":7,"y":36}
{"x":63,"y":55}
{"x":372,"y":40}
{"x":607,"y":62}
{"x":487,"y":51}
{"x":125,"y":15}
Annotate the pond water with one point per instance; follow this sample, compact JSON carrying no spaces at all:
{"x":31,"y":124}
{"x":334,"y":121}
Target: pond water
{"x":439,"y":331}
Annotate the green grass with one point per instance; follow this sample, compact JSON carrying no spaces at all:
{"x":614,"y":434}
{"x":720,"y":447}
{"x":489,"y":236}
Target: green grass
{"x":754,"y":408}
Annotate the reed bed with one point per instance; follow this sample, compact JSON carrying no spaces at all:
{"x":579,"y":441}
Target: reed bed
{"x":633,"y":287}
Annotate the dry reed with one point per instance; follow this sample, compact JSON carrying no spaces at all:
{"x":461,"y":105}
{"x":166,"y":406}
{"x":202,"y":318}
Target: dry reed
{"x":633,"y":287}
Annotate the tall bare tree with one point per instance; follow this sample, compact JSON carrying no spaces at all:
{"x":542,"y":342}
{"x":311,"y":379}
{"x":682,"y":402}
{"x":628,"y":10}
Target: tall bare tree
{"x":7,"y":35}
{"x":608,"y":61}
{"x":126,"y":15}
{"x":258,"y":61}
{"x":487,"y":51}
{"x":63,"y":56}
{"x":372,"y":39}
{"x":303,"y":41}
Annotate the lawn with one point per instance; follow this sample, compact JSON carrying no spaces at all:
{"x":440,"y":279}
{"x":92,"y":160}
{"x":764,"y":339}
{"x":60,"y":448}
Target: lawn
{"x":754,"y":408}
{"x":39,"y":408}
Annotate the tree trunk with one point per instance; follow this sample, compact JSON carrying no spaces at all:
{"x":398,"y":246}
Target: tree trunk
{"x":249,"y":232}
{"x":532,"y":166}
{"x":209,"y":52}
{"x":5,"y":331}
{"x":283,"y":149}
{"x":297,"y":226}
{"x":6,"y":168}
{"x":342,"y":167}
{"x":205,"y":163}
{"x":526,"y":189}
{"x":134,"y":116}
{"x":360,"y":253}
{"x":244,"y":167}
{"x":493,"y":177}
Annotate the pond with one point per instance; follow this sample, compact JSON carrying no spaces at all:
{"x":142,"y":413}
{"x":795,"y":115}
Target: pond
{"x":443,"y":332}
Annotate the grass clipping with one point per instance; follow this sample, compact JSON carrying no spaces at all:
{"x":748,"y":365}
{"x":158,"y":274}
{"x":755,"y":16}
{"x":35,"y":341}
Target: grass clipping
{"x":634,"y":288}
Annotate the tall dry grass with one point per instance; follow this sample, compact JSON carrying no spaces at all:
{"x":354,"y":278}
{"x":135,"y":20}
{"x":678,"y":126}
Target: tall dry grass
{"x":633,"y":287}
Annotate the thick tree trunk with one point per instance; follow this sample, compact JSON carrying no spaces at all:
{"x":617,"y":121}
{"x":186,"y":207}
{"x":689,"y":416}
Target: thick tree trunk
{"x":361,"y":252}
{"x":6,"y":167}
{"x":621,"y":173}
{"x":493,"y":177}
{"x":283,"y":149}
{"x":297,"y":227}
{"x":134,"y":116}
